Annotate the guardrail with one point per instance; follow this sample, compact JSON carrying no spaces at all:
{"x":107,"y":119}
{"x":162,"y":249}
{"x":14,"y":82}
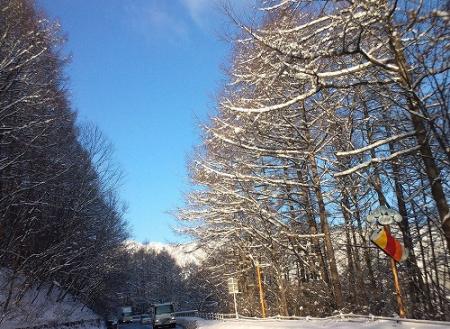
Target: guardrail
{"x":232,"y":316}
{"x":191,"y":313}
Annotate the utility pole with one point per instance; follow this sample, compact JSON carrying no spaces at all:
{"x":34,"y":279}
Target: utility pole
{"x":261,"y":291}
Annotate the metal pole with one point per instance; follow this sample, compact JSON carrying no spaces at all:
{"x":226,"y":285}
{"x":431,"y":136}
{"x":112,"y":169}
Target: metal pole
{"x":235,"y":305}
{"x":400,"y":303}
{"x":261,"y":292}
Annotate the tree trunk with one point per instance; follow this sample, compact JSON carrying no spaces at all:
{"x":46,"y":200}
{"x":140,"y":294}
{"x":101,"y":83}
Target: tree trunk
{"x":414,"y":103}
{"x":350,"y":263}
{"x":315,"y":180}
{"x":306,"y":201}
{"x":327,"y":235}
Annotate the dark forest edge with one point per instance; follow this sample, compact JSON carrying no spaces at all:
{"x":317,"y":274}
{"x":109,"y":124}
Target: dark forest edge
{"x":61,"y":218}
{"x":62,"y":223}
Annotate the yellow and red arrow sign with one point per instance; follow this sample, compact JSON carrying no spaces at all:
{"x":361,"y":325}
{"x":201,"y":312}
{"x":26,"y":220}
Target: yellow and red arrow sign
{"x":392,"y":247}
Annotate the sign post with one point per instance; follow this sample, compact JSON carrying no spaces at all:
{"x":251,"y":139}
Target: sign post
{"x":233,"y":288}
{"x":393,"y":248}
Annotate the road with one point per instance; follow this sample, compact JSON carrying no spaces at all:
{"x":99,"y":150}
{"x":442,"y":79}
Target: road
{"x":139,"y":326}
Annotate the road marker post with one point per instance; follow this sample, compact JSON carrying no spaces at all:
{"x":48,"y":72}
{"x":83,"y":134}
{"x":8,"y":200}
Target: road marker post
{"x":390,"y":246}
{"x":233,"y":288}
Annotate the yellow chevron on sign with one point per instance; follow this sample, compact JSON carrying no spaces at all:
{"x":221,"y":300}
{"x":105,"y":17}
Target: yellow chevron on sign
{"x":380,"y":238}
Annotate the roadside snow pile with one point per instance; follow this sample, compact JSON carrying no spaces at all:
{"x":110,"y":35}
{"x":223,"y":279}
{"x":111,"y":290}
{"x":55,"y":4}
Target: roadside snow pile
{"x":312,"y":324}
{"x":187,"y":322}
{"x":37,"y":305}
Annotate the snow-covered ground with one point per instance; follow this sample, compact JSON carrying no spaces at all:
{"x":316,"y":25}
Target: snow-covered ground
{"x":38,"y":306}
{"x":313,"y":324}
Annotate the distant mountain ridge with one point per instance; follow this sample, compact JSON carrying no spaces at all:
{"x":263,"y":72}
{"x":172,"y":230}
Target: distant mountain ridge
{"x":184,"y":254}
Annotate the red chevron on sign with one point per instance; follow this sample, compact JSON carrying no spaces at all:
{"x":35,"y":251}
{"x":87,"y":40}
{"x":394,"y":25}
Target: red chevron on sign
{"x":391,"y":246}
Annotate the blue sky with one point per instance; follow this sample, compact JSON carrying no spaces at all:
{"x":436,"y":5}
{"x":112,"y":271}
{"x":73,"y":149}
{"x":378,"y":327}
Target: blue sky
{"x":146,"y":73}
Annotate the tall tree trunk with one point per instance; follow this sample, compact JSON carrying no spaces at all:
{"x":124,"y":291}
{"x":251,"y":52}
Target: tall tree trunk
{"x":350,"y":263}
{"x":315,"y":181}
{"x":366,"y":252}
{"x":313,"y":228}
{"x":414,"y":275}
{"x":282,"y":288}
{"x":415,"y":105}
{"x":423,"y":258}
{"x":360,"y":287}
{"x":306,"y":201}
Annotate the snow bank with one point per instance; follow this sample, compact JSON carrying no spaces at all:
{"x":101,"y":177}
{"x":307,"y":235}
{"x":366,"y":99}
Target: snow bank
{"x":312,"y":324}
{"x":38,"y":305}
{"x":187,"y":323}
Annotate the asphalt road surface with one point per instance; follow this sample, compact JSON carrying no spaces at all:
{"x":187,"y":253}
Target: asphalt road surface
{"x":139,"y":326}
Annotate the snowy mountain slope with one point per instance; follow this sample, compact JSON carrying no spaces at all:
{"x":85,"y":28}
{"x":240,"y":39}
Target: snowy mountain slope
{"x":184,"y":254}
{"x":39,"y":305}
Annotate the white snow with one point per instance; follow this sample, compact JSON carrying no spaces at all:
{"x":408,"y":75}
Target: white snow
{"x":280,"y":106}
{"x":39,"y":306}
{"x":313,"y":324}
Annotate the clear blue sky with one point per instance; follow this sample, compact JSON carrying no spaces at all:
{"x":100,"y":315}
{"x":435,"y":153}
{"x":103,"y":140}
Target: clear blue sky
{"x":146,"y":72}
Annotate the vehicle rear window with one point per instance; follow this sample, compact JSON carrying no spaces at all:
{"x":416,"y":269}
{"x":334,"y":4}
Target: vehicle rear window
{"x":163,"y":309}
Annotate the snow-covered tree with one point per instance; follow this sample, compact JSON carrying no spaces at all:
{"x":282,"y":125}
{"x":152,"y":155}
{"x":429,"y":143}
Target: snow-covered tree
{"x":331,"y":109}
